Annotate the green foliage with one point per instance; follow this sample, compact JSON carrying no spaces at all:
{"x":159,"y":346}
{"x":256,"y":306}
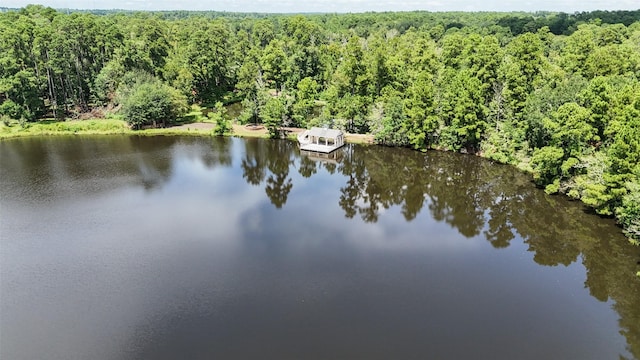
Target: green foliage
{"x":390,"y":128}
{"x":597,"y":196}
{"x":6,"y":121}
{"x":275,"y":64}
{"x":556,"y":94}
{"x":204,"y":55}
{"x":462,"y":112}
{"x":253,"y":104}
{"x":629,"y":211}
{"x":598,"y":98}
{"x":500,"y":144}
{"x":351,"y":76}
{"x":11,"y":110}
{"x":520,"y":70}
{"x":546,"y":163}
{"x":107,"y":82}
{"x":354,"y":109}
{"x":624,"y":151}
{"x":577,"y":48}
{"x":223,"y":125}
{"x":421,"y":123}
{"x":101,"y":126}
{"x":152,"y":103}
{"x":129,"y":81}
{"x":611,"y":60}
{"x":570,"y":128}
{"x":557,"y":89}
{"x":272,"y":116}
{"x":305,"y":101}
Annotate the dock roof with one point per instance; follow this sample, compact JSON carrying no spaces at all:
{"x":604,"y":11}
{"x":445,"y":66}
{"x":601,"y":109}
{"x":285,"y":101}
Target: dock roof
{"x":324,"y":132}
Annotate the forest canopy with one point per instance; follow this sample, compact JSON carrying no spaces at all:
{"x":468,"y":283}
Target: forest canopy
{"x":552,"y":93}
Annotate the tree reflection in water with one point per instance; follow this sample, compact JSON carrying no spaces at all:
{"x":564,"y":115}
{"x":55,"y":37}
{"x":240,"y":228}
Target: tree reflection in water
{"x":478,"y":198}
{"x":274,"y":156}
{"x":474,"y":196}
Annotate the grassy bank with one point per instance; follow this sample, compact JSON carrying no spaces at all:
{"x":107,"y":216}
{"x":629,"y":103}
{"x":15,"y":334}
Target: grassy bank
{"x":115,"y":126}
{"x":53,"y":127}
{"x":94,"y":127}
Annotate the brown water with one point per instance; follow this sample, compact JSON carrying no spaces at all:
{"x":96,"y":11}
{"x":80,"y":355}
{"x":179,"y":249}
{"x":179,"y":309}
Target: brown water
{"x":201,"y":248}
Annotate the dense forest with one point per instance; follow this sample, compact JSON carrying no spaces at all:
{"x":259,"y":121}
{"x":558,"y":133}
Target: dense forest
{"x":554,"y":94}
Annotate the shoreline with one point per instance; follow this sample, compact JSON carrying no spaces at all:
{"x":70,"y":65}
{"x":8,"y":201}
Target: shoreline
{"x":119,"y":127}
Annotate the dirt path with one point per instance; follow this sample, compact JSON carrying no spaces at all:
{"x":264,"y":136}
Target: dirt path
{"x":261,"y":131}
{"x":195,"y":126}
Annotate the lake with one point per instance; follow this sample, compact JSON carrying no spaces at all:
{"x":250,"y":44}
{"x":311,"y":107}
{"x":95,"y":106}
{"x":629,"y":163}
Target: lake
{"x":126,"y":247}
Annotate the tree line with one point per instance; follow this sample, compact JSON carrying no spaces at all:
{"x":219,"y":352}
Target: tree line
{"x":554,"y":94}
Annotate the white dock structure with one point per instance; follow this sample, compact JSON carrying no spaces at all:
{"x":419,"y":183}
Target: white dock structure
{"x":332,"y":157}
{"x":321,"y":140}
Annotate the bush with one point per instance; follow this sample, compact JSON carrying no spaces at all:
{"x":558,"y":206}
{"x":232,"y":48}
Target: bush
{"x":629,"y":212}
{"x":11,"y":109}
{"x":223,"y":126}
{"x":546,"y":163}
{"x":153,"y":103}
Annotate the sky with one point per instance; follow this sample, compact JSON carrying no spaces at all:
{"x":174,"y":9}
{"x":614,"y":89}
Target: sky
{"x":339,"y":6}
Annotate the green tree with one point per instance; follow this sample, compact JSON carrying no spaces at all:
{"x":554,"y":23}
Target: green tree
{"x":462,"y":111}
{"x":629,"y":211}
{"x":624,"y":174}
{"x":20,"y":86}
{"x":153,"y":103}
{"x":612,"y":60}
{"x":391,"y":132}
{"x":421,"y":123}
{"x":546,"y":163}
{"x":252,"y":105}
{"x":305,"y":38}
{"x":520,"y":70}
{"x":354,"y":110}
{"x":351,"y":75}
{"x":275,"y":64}
{"x":571,"y":130}
{"x":305,"y":101}
{"x":377,"y":66}
{"x":107,"y":82}
{"x":482,"y":57}
{"x":577,"y":48}
{"x":263,"y":32}
{"x":145,"y":44}
{"x":223,"y":125}
{"x":453,"y":48}
{"x":272,"y":116}
{"x":206,"y":55}
{"x":558,"y":89}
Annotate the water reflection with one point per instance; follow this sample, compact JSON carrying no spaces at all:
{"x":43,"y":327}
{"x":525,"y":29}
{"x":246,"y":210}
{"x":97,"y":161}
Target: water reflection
{"x":476,"y":197}
{"x":257,"y":160}
{"x":221,"y":252}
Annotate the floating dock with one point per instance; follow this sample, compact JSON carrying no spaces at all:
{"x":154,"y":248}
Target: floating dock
{"x":332,"y":157}
{"x":321,"y":140}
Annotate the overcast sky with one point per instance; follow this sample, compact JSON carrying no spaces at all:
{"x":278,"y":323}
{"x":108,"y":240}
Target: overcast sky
{"x":293,"y":6}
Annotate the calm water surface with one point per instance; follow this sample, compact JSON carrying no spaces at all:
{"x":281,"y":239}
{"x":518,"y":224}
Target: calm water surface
{"x":200,"y":248}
